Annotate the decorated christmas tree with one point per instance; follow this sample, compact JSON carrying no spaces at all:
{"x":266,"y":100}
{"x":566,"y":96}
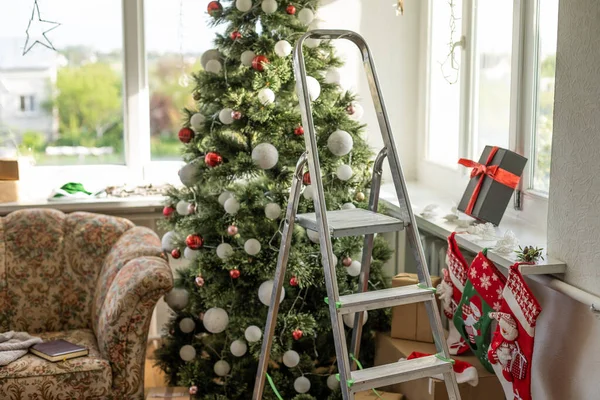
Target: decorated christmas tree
{"x":242,"y":142}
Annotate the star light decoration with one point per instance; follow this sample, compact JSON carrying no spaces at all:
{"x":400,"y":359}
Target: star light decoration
{"x":38,"y":27}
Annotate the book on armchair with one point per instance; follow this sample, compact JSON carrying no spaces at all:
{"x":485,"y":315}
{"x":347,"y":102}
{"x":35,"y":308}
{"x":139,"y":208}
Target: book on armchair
{"x":58,"y":350}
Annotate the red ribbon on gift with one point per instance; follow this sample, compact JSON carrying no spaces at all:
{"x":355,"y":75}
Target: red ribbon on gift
{"x":493,"y":171}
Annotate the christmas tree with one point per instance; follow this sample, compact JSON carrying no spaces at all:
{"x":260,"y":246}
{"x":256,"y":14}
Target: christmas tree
{"x":242,"y":143}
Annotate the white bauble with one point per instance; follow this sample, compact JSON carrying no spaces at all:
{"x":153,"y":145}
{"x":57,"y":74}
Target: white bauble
{"x":167,"y":241}
{"x":312,"y":43}
{"x":332,"y":382}
{"x":190,"y":254}
{"x":348,"y":206}
{"x":291,"y":358}
{"x":187,"y":352}
{"x":214,"y":66}
{"x":252,"y":247}
{"x":247,"y":58}
{"x":215,"y":320}
{"x":182,"y":207}
{"x":314,"y":88}
{"x":197,"y":121}
{"x":335,"y":260}
{"x":177,"y":298}
{"x":340,"y":143}
{"x":313,"y":236}
{"x":283,"y":48}
{"x":224,"y":251}
{"x":302,"y":385}
{"x":306,"y":16}
{"x":224,"y":196}
{"x":225,"y":116}
{"x":208,"y":55}
{"x":358,"y":111}
{"x":187,"y":325}
{"x":188,"y":174}
{"x":354,"y":268}
{"x":266,"y":96}
{"x":309,"y":193}
{"x":272,"y":211}
{"x":243,"y":5}
{"x":344,"y":172}
{"x":349,"y":319}
{"x":252,"y":333}
{"x":231,"y":206}
{"x":264,"y":292}
{"x":222,"y":368}
{"x":265,"y":155}
{"x":269,"y":6}
{"x":238,"y":348}
{"x":333,"y":76}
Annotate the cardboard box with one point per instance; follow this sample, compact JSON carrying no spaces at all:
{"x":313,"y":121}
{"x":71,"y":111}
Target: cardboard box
{"x":370,"y":395}
{"x":390,"y":350}
{"x":170,"y":393}
{"x":9,"y":170}
{"x":410,"y":321}
{"x":9,"y":191}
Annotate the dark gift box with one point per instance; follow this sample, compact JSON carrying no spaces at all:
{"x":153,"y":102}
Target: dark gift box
{"x":493,"y":180}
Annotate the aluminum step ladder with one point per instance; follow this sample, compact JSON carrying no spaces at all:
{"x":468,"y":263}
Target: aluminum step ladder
{"x":355,"y":222}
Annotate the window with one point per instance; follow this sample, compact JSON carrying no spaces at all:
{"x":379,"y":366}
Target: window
{"x":27,"y":103}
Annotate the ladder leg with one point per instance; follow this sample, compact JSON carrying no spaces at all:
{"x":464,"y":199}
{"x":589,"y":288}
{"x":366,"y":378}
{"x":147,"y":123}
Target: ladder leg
{"x":282,"y":259}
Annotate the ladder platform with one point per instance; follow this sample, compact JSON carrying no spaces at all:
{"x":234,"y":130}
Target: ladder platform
{"x":353,"y":222}
{"x":383,"y":298}
{"x":398,"y":372}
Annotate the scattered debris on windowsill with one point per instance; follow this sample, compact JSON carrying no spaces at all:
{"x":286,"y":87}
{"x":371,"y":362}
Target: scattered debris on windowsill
{"x":135,"y":191}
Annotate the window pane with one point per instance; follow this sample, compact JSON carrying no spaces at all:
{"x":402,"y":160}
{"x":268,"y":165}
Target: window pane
{"x":492,"y":75}
{"x":548,"y":18}
{"x":444,"y":83}
{"x":63,"y":107}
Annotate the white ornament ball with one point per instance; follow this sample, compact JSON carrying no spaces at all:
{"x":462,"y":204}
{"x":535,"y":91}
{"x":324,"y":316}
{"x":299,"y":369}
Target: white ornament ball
{"x":314,"y":88}
{"x":358,"y":111}
{"x":182,"y":207}
{"x":225,"y":116}
{"x":252,"y":247}
{"x":224,"y":251}
{"x":302,"y":385}
{"x":190,"y":254}
{"x":197,"y":121}
{"x":231,"y":206}
{"x":187,"y":325}
{"x":269,"y":6}
{"x":309,"y":193}
{"x":177,"y":298}
{"x":348,"y":206}
{"x":312,"y":43}
{"x":340,"y":143}
{"x":264,"y":292}
{"x":247,"y":58}
{"x":214,"y":66}
{"x":222,"y":368}
{"x":283,"y":48}
{"x":187,"y":352}
{"x":188,"y":174}
{"x":252,"y":333}
{"x":306,"y":16}
{"x":291,"y":358}
{"x":313,"y":236}
{"x":344,"y":172}
{"x":265,"y":155}
{"x":243,"y":5}
{"x":349,"y":319}
{"x":354,"y":268}
{"x":335,"y":260}
{"x":272,"y":211}
{"x":224,"y":196}
{"x":238,"y":348}
{"x":167,"y":241}
{"x":216,"y":320}
{"x":332,"y":382}
{"x":212,"y":54}
{"x":266,"y":96}
{"x":333,"y":76}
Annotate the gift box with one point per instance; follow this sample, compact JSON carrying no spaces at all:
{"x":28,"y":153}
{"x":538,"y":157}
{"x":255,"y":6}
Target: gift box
{"x":371,"y":395}
{"x":389,"y":350}
{"x":9,"y":170}
{"x":170,"y":393}
{"x":493,"y":180}
{"x":411,"y":321}
{"x":9,"y":191}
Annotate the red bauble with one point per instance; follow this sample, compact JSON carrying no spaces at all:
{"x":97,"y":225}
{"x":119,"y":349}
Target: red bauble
{"x":306,"y":178}
{"x":168,"y":211}
{"x":347,"y":261}
{"x":297,"y":334}
{"x":294,"y":281}
{"x":232,"y":230}
{"x":234,"y":273}
{"x":236,"y":115}
{"x":290,"y":9}
{"x":186,"y":135}
{"x":193,"y":390}
{"x":350,"y":109}
{"x":191,"y":209}
{"x":299,"y":131}
{"x":199,"y":281}
{"x":194,"y":241}
{"x":176,"y":253}
{"x":213,"y":159}
{"x":235,"y":35}
{"x":258,"y":63}
{"x":214,"y":8}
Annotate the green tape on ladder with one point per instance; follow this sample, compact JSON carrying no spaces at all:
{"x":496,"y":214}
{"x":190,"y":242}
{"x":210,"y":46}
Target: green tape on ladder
{"x":338,"y":304}
{"x":441,"y":357}
{"x":351,"y":381}
{"x":422,"y":286}
{"x":272,"y":384}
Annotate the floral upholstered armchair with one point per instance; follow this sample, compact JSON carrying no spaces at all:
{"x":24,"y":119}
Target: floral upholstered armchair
{"x":90,"y":279}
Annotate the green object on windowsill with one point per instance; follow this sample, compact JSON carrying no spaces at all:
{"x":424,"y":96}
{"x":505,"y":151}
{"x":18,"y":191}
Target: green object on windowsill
{"x":73,"y":191}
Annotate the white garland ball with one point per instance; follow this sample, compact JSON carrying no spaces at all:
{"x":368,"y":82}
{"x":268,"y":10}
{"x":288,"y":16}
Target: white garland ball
{"x":187,"y":353}
{"x":188,"y":174}
{"x":224,"y":196}
{"x":266,"y":96}
{"x":265,"y":155}
{"x":333,"y":76}
{"x":243,"y":5}
{"x":190,"y":254}
{"x":340,"y":143}
{"x":231,"y":206}
{"x":335,"y":260}
{"x":349,"y":319}
{"x":264,"y":292}
{"x":344,"y":172}
{"x":312,"y":43}
{"x":314,"y":88}
{"x":187,"y":325}
{"x":224,"y":251}
{"x":272,"y":211}
{"x":302,"y":384}
{"x":197,"y":121}
{"x":348,"y":206}
{"x":182,"y":207}
{"x":309,"y":193}
{"x":168,"y":240}
{"x":252,"y":247}
{"x":332,"y":382}
{"x":291,"y":358}
{"x":247,"y":57}
{"x":216,"y":320}
{"x":225,"y":116}
{"x":269,"y":6}
{"x":283,"y":48}
{"x":252,"y":333}
{"x":313,"y":236}
{"x":214,"y":66}
{"x":359,"y":111}
{"x":221,"y":368}
{"x":354,"y":268}
{"x":238,"y":348}
{"x":212,"y":54}
{"x":306,"y":16}
{"x":177,"y":298}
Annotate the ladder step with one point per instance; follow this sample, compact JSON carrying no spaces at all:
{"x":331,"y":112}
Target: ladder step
{"x":383,"y":298}
{"x":401,"y":371}
{"x":354,"y":222}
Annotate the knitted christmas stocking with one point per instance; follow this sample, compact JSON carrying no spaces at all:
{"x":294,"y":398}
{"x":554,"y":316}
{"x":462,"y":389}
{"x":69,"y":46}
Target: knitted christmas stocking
{"x":450,"y":291}
{"x":482,"y":295}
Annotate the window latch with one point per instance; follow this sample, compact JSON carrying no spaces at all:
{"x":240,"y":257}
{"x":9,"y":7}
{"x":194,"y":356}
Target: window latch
{"x":518,"y":200}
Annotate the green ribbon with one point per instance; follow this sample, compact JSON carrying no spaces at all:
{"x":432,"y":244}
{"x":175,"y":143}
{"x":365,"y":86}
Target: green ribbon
{"x":422,"y":286}
{"x":72,"y":188}
{"x":272,"y":384}
{"x":359,"y":365}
